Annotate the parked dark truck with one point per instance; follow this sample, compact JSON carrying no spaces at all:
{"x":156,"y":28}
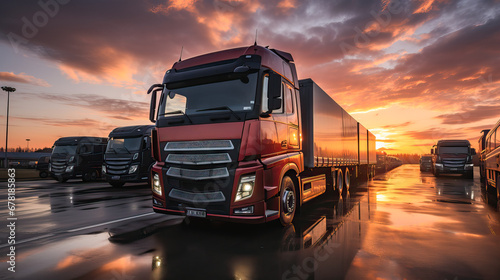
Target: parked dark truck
{"x":453,"y":157}
{"x":128,"y":155}
{"x":238,"y":137}
{"x":426,"y":163}
{"x":77,"y":157}
{"x":491,"y":159}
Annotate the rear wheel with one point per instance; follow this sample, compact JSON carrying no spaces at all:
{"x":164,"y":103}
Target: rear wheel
{"x":288,"y":201}
{"x":340,"y":182}
{"x":347,"y":181}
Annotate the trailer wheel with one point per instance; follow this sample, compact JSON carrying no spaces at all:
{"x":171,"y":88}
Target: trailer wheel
{"x":340,"y":182}
{"x":498,"y":186}
{"x":347,"y":180}
{"x":288,"y":201}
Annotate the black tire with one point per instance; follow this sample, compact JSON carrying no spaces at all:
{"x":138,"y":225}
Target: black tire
{"x":347,"y":181}
{"x":116,"y":184}
{"x":436,"y":173}
{"x":86,"y":177}
{"x":340,"y":182}
{"x":43,"y":174}
{"x":288,"y":201}
{"x":469,"y":175}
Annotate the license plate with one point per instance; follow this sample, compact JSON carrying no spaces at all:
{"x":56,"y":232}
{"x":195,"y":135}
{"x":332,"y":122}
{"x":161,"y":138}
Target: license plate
{"x":196,"y":213}
{"x":115,"y":178}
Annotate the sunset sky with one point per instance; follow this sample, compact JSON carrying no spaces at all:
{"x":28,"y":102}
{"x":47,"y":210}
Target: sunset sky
{"x":412,"y":72}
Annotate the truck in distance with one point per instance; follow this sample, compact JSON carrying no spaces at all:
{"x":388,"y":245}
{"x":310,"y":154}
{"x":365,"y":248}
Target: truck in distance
{"x":453,"y":157}
{"x":425,"y":163}
{"x":77,"y":157}
{"x":128,"y":155}
{"x":239,"y":138}
{"x":490,"y":157}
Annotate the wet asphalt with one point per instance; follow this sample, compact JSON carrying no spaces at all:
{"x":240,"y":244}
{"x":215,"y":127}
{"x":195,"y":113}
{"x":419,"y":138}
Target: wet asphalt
{"x":404,"y":224}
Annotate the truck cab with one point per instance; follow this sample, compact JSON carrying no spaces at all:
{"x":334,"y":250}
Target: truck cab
{"x":453,"y":157}
{"x":77,"y":157}
{"x":128,"y":155}
{"x":236,"y":140}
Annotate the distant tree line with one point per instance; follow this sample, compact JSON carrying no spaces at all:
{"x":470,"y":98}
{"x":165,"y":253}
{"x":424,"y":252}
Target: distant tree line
{"x":407,"y":158}
{"x":26,"y":150}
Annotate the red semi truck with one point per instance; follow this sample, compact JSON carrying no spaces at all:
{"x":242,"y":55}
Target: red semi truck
{"x":238,"y":137}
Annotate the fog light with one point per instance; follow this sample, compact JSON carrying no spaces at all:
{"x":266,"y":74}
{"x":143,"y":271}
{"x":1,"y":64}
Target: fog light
{"x":155,"y":184}
{"x":133,"y":168}
{"x":245,"y":187}
{"x":69,"y":169}
{"x":244,"y":210}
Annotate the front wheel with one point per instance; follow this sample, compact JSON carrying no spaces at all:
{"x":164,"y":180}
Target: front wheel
{"x":469,"y":174}
{"x":288,"y":201}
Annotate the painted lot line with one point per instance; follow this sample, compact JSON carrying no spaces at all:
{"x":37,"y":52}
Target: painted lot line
{"x":78,"y":229}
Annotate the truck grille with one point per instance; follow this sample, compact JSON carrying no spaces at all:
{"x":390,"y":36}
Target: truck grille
{"x":117,"y":166}
{"x":454,"y":162}
{"x":201,"y":171}
{"x":58,"y":166}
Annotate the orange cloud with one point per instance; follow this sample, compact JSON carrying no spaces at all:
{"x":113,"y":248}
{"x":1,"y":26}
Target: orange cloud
{"x":22,"y":78}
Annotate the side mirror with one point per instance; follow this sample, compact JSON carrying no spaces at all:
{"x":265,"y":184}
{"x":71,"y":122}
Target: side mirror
{"x":152,"y":107}
{"x":473,"y":151}
{"x":274,"y":92}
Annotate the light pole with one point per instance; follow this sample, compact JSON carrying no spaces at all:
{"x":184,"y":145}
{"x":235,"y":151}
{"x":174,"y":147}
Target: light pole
{"x":28,"y":145}
{"x":8,"y":90}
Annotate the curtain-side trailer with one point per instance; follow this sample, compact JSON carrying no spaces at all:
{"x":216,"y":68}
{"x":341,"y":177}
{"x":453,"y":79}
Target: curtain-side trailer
{"x":239,"y":138}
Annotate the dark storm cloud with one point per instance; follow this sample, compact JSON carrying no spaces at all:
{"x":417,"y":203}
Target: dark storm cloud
{"x":115,"y":108}
{"x":477,"y":113}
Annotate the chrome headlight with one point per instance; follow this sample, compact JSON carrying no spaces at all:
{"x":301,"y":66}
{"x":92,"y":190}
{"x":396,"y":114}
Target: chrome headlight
{"x":155,"y":184}
{"x":70,"y":168}
{"x":103,"y":169}
{"x":245,"y":187}
{"x":133,"y":168}
{"x":50,"y":167}
{"x":439,"y":165}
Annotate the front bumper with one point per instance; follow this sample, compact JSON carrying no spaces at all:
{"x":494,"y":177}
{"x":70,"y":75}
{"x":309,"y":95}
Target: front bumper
{"x":454,"y":170}
{"x":129,"y":178}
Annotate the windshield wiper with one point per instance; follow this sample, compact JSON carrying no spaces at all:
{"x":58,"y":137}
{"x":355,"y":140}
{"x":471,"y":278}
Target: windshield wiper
{"x":220,"y":108}
{"x":178,"y":112}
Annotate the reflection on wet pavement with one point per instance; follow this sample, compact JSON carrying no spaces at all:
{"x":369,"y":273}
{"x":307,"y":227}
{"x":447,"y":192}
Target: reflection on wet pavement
{"x":402,"y":225}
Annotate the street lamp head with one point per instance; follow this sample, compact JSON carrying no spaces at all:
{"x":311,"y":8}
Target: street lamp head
{"x":9,"y":89}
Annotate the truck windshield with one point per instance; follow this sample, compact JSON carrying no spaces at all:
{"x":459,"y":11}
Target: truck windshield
{"x":231,"y":95}
{"x":453,"y":150}
{"x":66,"y":150}
{"x":121,"y":145}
